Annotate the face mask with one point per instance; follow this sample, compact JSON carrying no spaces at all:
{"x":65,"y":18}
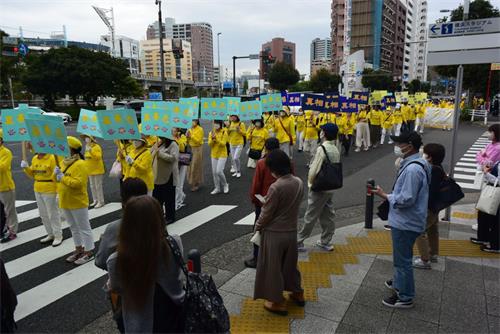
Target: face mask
{"x":137,"y":143}
{"x":282,"y":114}
{"x":87,"y":140}
{"x":258,"y":124}
{"x":217,"y":126}
{"x":491,"y":136}
{"x":398,"y":151}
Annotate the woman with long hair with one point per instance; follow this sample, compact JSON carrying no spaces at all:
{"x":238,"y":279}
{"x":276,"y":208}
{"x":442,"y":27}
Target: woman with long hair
{"x":181,"y":140}
{"x":145,"y":274}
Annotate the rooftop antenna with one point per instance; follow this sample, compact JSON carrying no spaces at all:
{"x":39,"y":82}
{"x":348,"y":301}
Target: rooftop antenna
{"x":107,"y":16}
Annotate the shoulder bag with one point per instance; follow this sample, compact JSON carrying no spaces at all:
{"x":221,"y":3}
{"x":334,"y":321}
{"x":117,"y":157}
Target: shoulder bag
{"x":286,"y":131}
{"x":449,"y":193}
{"x":329,"y":176}
{"x":185,"y":157}
{"x":204,"y":310}
{"x":489,"y":199}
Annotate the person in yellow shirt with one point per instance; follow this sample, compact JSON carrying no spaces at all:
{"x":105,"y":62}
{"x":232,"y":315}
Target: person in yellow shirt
{"x":140,"y":163}
{"x":269,"y":120}
{"x":7,"y":192}
{"x":409,"y":116}
{"x":375,"y":119}
{"x":95,"y":168}
{"x":420,"y":116}
{"x":397,"y":120}
{"x":237,"y":133}
{"x":217,"y":140}
{"x":284,"y":128}
{"x":42,"y":171}
{"x":195,"y":142}
{"x":299,"y":120}
{"x":362,"y":129}
{"x":72,"y":179}
{"x":256,"y":136}
{"x":124,"y":147}
{"x":311,"y":134}
{"x":181,"y":140}
{"x":387,"y":125}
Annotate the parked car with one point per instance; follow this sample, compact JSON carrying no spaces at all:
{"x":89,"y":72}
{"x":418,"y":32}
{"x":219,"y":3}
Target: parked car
{"x":134,"y":104}
{"x":66,"y":117}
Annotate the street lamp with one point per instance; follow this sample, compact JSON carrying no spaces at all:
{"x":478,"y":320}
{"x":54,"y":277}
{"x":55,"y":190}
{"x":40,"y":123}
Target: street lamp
{"x":162,"y":64}
{"x":218,"y":63}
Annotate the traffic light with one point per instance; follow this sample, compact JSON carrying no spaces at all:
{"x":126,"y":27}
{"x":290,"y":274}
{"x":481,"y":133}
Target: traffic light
{"x":267,"y":58}
{"x":10,"y":50}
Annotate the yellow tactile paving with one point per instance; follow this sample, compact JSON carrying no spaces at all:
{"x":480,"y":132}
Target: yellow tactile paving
{"x":316,"y":274}
{"x":464,"y":215}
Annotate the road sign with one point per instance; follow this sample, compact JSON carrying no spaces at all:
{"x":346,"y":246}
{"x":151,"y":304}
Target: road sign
{"x":256,"y":56}
{"x":470,"y":27}
{"x":358,"y":73}
{"x":23,"y":49}
{"x":495,"y":67}
{"x":155,"y":96}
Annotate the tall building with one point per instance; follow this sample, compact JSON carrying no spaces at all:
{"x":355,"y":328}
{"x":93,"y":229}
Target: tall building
{"x":174,"y":68}
{"x":126,"y":48}
{"x":337,"y":34}
{"x":199,"y":34}
{"x":415,"y":66}
{"x":280,"y":49}
{"x":321,"y":54}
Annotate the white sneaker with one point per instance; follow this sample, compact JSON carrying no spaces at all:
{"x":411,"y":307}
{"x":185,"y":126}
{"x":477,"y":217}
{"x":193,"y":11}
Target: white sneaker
{"x":238,"y":175}
{"x":366,"y":148}
{"x":215,"y":192}
{"x":234,"y":174}
{"x":421,"y":264}
{"x":233,"y":170}
{"x":94,"y":203}
{"x":99,"y":205}
{"x":47,"y":239}
{"x":327,"y":248}
{"x":84,"y":259}
{"x":357,"y":149}
{"x":390,"y":142}
{"x":474,"y":227}
{"x":57,"y":241}
{"x":226,"y":188}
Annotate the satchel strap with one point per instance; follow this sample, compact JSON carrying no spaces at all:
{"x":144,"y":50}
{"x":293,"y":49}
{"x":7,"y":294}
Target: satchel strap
{"x":411,"y":163}
{"x":326,"y":155}
{"x":174,"y":247}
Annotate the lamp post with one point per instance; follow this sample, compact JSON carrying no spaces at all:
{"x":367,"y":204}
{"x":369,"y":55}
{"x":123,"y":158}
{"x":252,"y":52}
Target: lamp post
{"x":218,"y":63}
{"x":162,"y":64}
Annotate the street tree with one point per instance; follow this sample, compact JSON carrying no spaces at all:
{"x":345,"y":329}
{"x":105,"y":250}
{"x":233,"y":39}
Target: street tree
{"x":324,"y":81}
{"x":377,"y":80}
{"x":283,"y":75}
{"x":417,"y":86}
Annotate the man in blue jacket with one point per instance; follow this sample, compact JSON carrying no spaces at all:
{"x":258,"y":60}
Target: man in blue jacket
{"x":407,"y":215}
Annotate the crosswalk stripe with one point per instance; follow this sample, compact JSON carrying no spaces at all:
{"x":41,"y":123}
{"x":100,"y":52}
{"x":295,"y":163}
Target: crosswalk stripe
{"x":247,"y":220}
{"x":54,"y":289}
{"x":469,"y":155}
{"x":468,"y":186}
{"x":468,"y":164}
{"x":467,"y":159}
{"x":23,"y":203}
{"x":464,"y":177}
{"x":39,"y":231}
{"x":479,"y":145}
{"x":475,"y":150}
{"x":468,"y":170}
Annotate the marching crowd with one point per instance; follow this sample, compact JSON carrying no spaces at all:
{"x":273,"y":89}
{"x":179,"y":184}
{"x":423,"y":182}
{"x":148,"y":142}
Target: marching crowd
{"x":158,"y":167}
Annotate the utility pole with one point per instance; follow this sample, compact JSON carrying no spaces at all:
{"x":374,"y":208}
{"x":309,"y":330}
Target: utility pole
{"x":218,"y":63}
{"x":162,"y":63}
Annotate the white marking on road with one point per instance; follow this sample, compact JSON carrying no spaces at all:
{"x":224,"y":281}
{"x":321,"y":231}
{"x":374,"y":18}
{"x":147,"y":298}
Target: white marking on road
{"x":467,"y":159}
{"x":470,"y":155}
{"x":464,"y":177}
{"x":467,"y":170}
{"x":474,"y":150}
{"x":466,"y":164}
{"x":478,"y":145}
{"x":52,"y":290}
{"x":468,"y":186}
{"x":22,"y":203}
{"x":248,"y":220}
{"x":39,"y":231}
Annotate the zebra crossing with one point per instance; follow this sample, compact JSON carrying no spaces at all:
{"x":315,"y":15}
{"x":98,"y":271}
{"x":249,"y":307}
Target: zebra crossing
{"x":42,"y":279}
{"x":466,"y":167}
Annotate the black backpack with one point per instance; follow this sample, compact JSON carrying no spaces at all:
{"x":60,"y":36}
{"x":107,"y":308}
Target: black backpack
{"x":329,"y":176}
{"x":204,"y":310}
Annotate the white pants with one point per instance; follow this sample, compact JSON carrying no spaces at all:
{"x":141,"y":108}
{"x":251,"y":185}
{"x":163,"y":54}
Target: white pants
{"x":385,"y":132}
{"x":310,"y":145}
{"x":218,"y":173}
{"x":235,"y":157}
{"x":49,"y":212}
{"x":287,"y":148}
{"x":419,"y":123}
{"x":179,"y":190}
{"x":397,"y":129}
{"x":362,"y":135}
{"x":78,"y":221}
{"x":300,"y":140}
{"x":8,"y":199}
{"x":96,"y":188}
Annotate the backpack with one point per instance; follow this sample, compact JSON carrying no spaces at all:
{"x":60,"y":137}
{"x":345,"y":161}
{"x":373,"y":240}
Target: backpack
{"x":204,"y":310}
{"x":329,"y":176}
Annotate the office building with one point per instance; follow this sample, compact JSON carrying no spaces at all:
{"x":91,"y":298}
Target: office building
{"x":415,"y":62}
{"x":281,"y":50}
{"x":174,"y":68}
{"x":126,"y":48}
{"x":321,"y":54}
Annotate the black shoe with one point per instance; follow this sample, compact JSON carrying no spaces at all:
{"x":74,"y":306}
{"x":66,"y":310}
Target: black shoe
{"x":387,"y":227}
{"x":476,"y":241}
{"x":394,"y":302}
{"x":488,"y":249}
{"x":388,"y":284}
{"x":251,"y":263}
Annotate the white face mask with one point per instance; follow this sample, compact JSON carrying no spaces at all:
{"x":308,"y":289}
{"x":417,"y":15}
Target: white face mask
{"x":217,"y":126}
{"x":87,"y":140}
{"x":282,"y":114}
{"x":258,"y":124}
{"x":491,"y":136}
{"x":137,"y":143}
{"x":398,"y":151}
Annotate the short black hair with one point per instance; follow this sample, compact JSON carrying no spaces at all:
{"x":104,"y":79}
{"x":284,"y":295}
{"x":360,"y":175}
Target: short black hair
{"x":132,"y":187}
{"x":218,"y":121}
{"x":271,"y":144}
{"x":436,"y":152}
{"x":495,"y":128}
{"x":278,"y":162}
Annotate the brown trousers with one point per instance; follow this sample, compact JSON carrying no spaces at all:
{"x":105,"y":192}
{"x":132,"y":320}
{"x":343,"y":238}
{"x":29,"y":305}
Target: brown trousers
{"x":428,"y":242}
{"x":195,"y":169}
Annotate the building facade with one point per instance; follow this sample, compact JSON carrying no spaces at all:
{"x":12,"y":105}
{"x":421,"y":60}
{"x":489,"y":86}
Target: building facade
{"x":281,"y":50}
{"x":415,"y":66}
{"x":126,"y":48}
{"x":174,"y":68}
{"x":321,"y":53}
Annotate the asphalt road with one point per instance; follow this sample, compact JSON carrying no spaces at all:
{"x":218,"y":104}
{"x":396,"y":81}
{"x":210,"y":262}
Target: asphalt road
{"x":75,"y":309}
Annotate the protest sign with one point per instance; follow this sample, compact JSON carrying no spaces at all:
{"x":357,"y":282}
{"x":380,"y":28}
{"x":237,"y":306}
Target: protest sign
{"x":88,"y":124}
{"x":48,"y":134}
{"x":118,"y":124}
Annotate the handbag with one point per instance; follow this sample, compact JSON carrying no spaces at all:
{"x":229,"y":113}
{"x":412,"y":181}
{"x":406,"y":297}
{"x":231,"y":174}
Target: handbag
{"x":449,"y":193}
{"x":116,"y":170}
{"x":329,"y":176}
{"x":185,"y":158}
{"x":254,"y":154}
{"x":204,"y":310}
{"x":489,"y":199}
{"x":256,"y":238}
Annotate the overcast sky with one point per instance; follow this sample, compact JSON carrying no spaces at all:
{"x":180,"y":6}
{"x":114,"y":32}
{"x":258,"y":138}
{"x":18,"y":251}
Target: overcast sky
{"x":244,"y":24}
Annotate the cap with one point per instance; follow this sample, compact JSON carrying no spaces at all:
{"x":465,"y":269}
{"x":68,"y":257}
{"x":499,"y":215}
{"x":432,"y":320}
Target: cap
{"x":74,"y":143}
{"x":412,"y":138}
{"x":330,"y":128}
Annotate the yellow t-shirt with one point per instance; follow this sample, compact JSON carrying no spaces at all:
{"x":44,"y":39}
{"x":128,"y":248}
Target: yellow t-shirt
{"x":300,"y":122}
{"x":93,"y":160}
{"x":42,"y":171}
{"x":196,"y":136}
{"x":235,"y":136}
{"x":6,"y":181}
{"x":182,"y":143}
{"x":218,"y":148}
{"x":387,"y":120}
{"x":311,"y":128}
{"x":375,"y":117}
{"x":284,"y":128}
{"x":142,"y":167}
{"x":257,"y":137}
{"x":72,"y":188}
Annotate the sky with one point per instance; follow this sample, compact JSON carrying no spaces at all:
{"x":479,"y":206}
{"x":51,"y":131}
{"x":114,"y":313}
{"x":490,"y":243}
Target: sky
{"x":245,"y":24}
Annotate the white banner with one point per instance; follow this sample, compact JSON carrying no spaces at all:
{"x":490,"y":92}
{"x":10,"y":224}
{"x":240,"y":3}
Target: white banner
{"x":439,"y":118}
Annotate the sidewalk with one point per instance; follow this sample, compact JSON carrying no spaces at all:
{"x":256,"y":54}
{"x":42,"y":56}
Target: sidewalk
{"x":344,"y":289}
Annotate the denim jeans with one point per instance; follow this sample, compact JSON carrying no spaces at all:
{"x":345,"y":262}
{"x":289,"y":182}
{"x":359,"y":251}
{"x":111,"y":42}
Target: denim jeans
{"x":402,"y":244}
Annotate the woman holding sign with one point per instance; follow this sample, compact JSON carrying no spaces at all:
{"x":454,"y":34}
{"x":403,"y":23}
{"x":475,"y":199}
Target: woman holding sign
{"x":74,"y":201}
{"x":236,"y":141}
{"x":95,"y":168}
{"x":195,"y":141}
{"x":140,"y":163}
{"x":217,"y":140}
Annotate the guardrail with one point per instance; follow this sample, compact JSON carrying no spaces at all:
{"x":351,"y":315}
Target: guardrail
{"x":479,"y":113}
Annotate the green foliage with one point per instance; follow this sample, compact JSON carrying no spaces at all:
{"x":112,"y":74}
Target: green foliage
{"x":283,"y":75}
{"x":78,"y":72}
{"x":245,"y":86}
{"x":301,"y":86}
{"x":475,"y":76}
{"x":417,"y":86}
{"x":324,"y":81}
{"x":378,"y":80}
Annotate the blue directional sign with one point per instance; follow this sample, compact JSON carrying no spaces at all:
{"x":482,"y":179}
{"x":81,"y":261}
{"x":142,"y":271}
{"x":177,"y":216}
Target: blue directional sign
{"x":358,"y":73}
{"x":469,"y":27}
{"x":447,"y":29}
{"x":434,"y":28}
{"x":23,"y":49}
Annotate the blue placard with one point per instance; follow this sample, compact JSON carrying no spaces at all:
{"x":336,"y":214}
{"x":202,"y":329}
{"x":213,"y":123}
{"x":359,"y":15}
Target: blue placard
{"x":293,"y":100}
{"x":389,"y":101}
{"x":313,"y":102}
{"x":332,"y":102}
{"x":250,"y":110}
{"x":88,"y":124}
{"x":360,"y":97}
{"x":352,"y":105}
{"x":155,"y":96}
{"x":271,"y":102}
{"x":118,"y":124}
{"x":233,"y":105}
{"x":156,"y":119}
{"x":213,"y":108}
{"x":48,"y":134}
